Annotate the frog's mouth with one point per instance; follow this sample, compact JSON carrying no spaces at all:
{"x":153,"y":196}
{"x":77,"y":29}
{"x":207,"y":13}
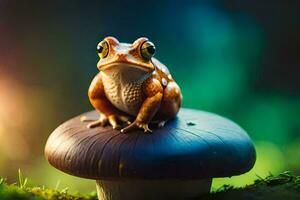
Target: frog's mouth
{"x":125,"y":72}
{"x":127,"y":65}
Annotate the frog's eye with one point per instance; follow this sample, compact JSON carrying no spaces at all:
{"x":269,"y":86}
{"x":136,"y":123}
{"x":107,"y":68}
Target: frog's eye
{"x":102,"y":49}
{"x":147,"y":50}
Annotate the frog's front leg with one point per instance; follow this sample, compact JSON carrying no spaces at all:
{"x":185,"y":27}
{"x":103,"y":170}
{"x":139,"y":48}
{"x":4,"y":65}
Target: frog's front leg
{"x":154,"y":92}
{"x":108,"y":113}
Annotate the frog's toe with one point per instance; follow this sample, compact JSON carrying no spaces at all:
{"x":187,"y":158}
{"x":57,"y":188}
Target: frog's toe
{"x":146,"y":128}
{"x":130,"y":127}
{"x":116,"y":127}
{"x":84,"y":119}
{"x":96,"y":123}
{"x":124,"y":118}
{"x":112,"y":120}
{"x":136,"y":125}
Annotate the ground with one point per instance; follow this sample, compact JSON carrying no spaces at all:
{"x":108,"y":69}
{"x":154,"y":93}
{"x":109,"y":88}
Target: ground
{"x":284,"y":186}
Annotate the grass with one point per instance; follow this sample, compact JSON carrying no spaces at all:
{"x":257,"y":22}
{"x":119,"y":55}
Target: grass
{"x":15,"y":192}
{"x":284,"y":186}
{"x":21,"y":191}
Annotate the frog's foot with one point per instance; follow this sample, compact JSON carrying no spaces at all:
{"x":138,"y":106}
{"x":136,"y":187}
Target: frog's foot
{"x":136,"y":125}
{"x":114,"y":119}
{"x":86,"y":119}
{"x":102,"y":121}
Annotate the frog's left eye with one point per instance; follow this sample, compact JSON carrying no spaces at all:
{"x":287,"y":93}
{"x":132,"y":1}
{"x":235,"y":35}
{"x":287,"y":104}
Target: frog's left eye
{"x":102,"y":49}
{"x":147,"y":50}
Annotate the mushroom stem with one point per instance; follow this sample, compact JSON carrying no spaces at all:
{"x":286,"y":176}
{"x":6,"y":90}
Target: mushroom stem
{"x":151,"y":189}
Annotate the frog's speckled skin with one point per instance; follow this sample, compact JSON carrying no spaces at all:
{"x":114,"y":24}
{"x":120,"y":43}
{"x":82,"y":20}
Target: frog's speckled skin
{"x":129,"y":86}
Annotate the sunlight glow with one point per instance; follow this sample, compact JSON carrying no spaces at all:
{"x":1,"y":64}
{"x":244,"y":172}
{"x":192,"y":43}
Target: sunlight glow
{"x":12,"y":143}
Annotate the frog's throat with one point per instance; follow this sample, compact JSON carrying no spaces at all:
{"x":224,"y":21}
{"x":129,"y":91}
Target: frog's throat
{"x":123,"y":88}
{"x":126,"y":73}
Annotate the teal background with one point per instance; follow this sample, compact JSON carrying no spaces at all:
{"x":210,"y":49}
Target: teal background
{"x":239,"y":59}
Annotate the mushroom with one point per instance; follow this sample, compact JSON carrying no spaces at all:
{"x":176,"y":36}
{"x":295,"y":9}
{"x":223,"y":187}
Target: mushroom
{"x":177,"y":161}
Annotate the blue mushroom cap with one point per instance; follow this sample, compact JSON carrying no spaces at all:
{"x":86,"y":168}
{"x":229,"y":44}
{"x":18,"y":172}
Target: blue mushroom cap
{"x":194,"y":145}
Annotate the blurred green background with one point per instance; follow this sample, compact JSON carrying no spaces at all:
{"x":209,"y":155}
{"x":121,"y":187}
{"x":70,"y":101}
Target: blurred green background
{"x":239,"y":59}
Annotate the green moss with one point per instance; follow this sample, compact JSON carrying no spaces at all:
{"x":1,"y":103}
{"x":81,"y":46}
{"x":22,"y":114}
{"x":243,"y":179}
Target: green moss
{"x":14,"y":192}
{"x":284,"y":186}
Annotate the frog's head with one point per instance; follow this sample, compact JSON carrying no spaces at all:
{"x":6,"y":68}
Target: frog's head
{"x":133,"y":57}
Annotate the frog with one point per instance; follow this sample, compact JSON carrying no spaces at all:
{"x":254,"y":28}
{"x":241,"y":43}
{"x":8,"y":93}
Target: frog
{"x":132,"y":87}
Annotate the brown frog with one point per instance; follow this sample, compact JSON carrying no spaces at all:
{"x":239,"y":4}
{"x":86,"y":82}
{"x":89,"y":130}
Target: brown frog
{"x":132,"y":84}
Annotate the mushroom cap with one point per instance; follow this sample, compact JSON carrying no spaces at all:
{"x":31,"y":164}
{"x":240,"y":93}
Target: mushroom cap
{"x":194,"y":145}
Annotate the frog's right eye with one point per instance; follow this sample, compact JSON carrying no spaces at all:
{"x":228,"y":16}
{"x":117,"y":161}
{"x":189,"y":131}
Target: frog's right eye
{"x":102,"y":49}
